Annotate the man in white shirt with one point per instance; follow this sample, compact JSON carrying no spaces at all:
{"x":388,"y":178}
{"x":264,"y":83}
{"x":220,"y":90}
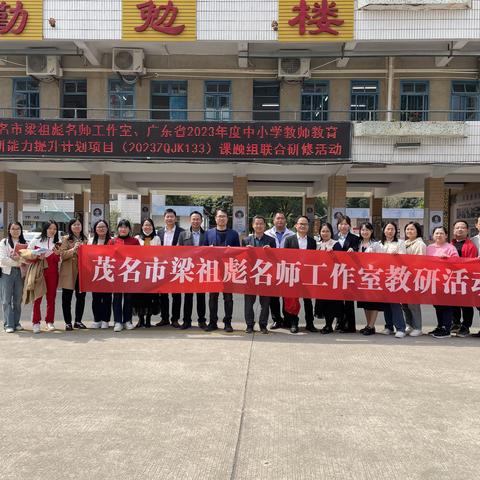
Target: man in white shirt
{"x":280,"y":233}
{"x":169,"y":237}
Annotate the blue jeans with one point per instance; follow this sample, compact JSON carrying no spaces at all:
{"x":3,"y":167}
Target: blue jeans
{"x":394,"y":317}
{"x":11,"y":292}
{"x":444,"y":316}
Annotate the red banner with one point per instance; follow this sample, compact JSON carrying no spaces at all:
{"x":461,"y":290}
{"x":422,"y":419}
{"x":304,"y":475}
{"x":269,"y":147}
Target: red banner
{"x":281,"y":273}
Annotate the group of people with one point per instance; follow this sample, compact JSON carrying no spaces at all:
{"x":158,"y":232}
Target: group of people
{"x":34,"y":271}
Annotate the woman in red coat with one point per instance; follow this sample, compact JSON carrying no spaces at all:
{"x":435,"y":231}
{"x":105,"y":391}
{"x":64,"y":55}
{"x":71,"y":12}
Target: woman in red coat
{"x":122,"y":314}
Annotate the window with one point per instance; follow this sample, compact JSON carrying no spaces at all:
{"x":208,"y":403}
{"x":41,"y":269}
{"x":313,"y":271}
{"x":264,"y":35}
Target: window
{"x":465,"y":101}
{"x":132,"y":197}
{"x":266,"y":100}
{"x":74,"y":99}
{"x":218,"y":98}
{"x":364,"y":100}
{"x":413,"y":101}
{"x":26,"y":98}
{"x":315,"y":101}
{"x":121,"y":99}
{"x":169,"y":100}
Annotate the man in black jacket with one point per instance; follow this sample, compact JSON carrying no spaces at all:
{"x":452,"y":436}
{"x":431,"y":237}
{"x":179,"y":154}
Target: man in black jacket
{"x":302,"y":241}
{"x":194,"y":237}
{"x":349,"y":243}
{"x":259,"y":240}
{"x":169,"y":237}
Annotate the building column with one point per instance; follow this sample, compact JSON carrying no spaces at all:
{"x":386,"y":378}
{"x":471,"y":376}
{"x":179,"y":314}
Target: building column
{"x":336,"y":197}
{"x":100,"y":199}
{"x":81,"y":208}
{"x":20,"y":206}
{"x":376,"y":212}
{"x":8,"y":200}
{"x":434,"y":201}
{"x":240,"y":205}
{"x":309,"y":211}
{"x":145,"y":207}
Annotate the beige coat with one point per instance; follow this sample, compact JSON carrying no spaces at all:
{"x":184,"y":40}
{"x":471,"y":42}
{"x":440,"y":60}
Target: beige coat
{"x":34,"y":286}
{"x":69,"y":265}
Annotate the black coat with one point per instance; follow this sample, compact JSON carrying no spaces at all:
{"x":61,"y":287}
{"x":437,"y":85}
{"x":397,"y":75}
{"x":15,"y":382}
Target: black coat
{"x":266,"y":240}
{"x":292,"y":242}
{"x":351,"y":241}
{"x":186,"y":238}
{"x":161,"y":234}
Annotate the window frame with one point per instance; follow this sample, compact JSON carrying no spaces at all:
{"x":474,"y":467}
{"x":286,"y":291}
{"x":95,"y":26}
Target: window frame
{"x":415,"y":115}
{"x":258,"y":114}
{"x":28,"y":108}
{"x":324,"y":113}
{"x":371,"y":114}
{"x":182,"y":113}
{"x":219,"y":114}
{"x":455,"y":116}
{"x":63,"y":109}
{"x":133,"y":93}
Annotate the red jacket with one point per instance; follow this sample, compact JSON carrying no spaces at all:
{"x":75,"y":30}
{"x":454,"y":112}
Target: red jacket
{"x":123,"y":241}
{"x":469,"y":250}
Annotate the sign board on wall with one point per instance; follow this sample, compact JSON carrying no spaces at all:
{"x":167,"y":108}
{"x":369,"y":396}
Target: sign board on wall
{"x":21,"y":20}
{"x":228,"y":141}
{"x":159,"y":20}
{"x":315,"y":20}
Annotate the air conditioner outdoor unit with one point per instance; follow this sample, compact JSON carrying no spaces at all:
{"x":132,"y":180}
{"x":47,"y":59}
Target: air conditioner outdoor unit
{"x":128,"y":61}
{"x":44,"y":66}
{"x":293,"y":68}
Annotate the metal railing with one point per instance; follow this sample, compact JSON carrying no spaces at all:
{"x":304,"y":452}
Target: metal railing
{"x":265,"y":115}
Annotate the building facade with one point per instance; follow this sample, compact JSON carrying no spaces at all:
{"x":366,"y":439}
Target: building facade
{"x":402,"y":75}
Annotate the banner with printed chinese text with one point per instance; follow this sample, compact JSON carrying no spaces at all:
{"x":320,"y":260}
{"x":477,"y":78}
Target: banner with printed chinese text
{"x":281,"y":272}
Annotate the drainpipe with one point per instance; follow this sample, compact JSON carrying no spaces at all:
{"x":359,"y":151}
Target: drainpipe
{"x":390,"y":90}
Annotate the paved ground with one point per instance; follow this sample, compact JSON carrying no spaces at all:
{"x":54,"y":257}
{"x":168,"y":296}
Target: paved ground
{"x":164,"y":404}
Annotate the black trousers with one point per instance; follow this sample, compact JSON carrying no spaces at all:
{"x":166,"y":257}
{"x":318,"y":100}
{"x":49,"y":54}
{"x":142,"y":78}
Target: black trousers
{"x":165,"y":306}
{"x":466,"y":313}
{"x":122,"y":307}
{"x":67,"y":303}
{"x":250,"y":314}
{"x":188,"y":307}
{"x":330,"y":309}
{"x":347,"y":316}
{"x":275,"y":309}
{"x":308,"y":307}
{"x":101,"y":306}
{"x":227,"y":305}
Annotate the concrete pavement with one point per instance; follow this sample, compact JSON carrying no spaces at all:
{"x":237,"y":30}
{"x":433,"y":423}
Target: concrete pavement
{"x":168,"y":404}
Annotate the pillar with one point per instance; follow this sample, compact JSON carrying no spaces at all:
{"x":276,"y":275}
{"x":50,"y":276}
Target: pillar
{"x":309,"y":211}
{"x":376,"y":208}
{"x":20,"y":206}
{"x":336,"y":197}
{"x":240,"y":205}
{"x":100,"y":198}
{"x":81,"y":208}
{"x":145,"y":207}
{"x":8,"y":200}
{"x":434,"y":198}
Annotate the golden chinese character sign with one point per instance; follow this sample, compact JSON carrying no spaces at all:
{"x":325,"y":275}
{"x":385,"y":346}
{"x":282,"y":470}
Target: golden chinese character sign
{"x":311,"y":21}
{"x":159,"y":20}
{"x":21,"y":20}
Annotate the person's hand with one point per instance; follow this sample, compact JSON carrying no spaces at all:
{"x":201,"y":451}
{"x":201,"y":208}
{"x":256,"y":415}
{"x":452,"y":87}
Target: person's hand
{"x":15,"y":256}
{"x":266,"y":246}
{"x":350,"y":249}
{"x":249,"y":246}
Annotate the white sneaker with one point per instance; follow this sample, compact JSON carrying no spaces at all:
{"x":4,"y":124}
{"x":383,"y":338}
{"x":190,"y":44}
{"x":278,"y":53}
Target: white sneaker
{"x":19,"y":328}
{"x":9,"y":330}
{"x":129,"y":325}
{"x":96,"y":325}
{"x":386,"y":331}
{"x":408,"y":329}
{"x":36,"y":328}
{"x":400,"y":334}
{"x":416,"y":333}
{"x":105,"y":325}
{"x":51,"y":327}
{"x":118,"y":327}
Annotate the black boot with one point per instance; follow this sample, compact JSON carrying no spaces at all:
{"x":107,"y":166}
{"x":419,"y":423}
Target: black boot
{"x":228,"y":326}
{"x":148,"y":321}
{"x":141,"y":322}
